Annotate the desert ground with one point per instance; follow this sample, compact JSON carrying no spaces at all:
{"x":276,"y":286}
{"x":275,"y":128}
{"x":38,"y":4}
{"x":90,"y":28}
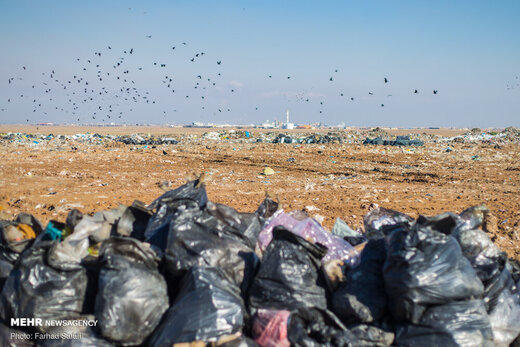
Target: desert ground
{"x":331,"y":180}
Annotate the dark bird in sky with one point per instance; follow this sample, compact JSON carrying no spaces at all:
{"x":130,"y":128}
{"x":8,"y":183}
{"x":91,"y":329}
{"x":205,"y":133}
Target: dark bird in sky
{"x":219,"y":62}
{"x":192,"y":59}
{"x":435,"y":91}
{"x":149,"y":36}
{"x":415,"y":91}
{"x":131,"y":50}
{"x":173,"y":47}
{"x":184,"y":43}
{"x":382,"y":105}
{"x":370,"y":93}
{"x":386,"y":80}
{"x":108,"y":48}
{"x":330,"y":79}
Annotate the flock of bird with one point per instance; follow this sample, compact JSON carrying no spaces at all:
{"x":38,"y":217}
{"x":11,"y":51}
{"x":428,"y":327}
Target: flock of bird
{"x":104,"y":87}
{"x":513,"y":84}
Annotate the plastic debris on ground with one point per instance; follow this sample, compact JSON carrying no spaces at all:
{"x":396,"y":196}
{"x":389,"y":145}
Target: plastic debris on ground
{"x":310,"y":230}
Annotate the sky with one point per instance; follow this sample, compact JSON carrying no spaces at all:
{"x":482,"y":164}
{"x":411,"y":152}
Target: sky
{"x":274,"y":56}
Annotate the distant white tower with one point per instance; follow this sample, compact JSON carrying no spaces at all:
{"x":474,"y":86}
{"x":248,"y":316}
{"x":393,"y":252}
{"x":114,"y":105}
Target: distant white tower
{"x":288,"y":125}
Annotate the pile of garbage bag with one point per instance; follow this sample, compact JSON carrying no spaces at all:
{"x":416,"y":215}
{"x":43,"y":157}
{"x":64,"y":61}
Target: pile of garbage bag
{"x":185,"y":270}
{"x":140,"y":140}
{"x":399,"y":141}
{"x":309,"y":139}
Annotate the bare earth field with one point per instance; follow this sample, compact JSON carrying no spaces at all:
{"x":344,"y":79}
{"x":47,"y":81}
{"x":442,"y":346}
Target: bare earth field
{"x":330,"y":180}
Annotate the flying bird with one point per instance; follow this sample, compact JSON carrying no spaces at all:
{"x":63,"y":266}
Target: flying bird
{"x":435,"y":91}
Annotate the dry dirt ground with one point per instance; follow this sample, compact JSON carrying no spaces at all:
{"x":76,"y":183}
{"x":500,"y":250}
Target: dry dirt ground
{"x":332,"y":180}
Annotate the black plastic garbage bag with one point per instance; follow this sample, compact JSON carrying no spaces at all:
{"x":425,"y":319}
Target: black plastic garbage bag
{"x":460,"y":323}
{"x":505,"y":317}
{"x":486,"y":258}
{"x":361,"y":297}
{"x":473,"y":217}
{"x":501,"y":295}
{"x":381,"y":221}
{"x":371,"y":336}
{"x":73,"y":218}
{"x":132,"y":295}
{"x":134,"y":220}
{"x":267,"y":208}
{"x":425,"y":266}
{"x":208,"y":308}
{"x":190,"y":196}
{"x":244,"y":227}
{"x":311,"y":327}
{"x":34,"y":289}
{"x":195,"y":239}
{"x":192,"y":193}
{"x":289,"y":276}
{"x":5,"y":270}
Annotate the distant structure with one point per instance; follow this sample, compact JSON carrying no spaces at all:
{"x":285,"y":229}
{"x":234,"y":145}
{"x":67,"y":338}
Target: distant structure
{"x":288,"y":125}
{"x":271,"y":125}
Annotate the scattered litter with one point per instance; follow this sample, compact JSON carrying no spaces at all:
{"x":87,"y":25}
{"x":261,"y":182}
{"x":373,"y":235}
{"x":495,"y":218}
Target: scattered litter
{"x":267,"y":171}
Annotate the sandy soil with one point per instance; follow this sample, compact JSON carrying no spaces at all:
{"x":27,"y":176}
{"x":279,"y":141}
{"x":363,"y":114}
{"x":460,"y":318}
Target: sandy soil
{"x":162,"y":130}
{"x":333,"y":180}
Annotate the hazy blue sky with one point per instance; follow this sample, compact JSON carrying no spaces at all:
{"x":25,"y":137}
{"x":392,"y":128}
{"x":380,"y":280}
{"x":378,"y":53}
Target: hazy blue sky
{"x":467,"y":50}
